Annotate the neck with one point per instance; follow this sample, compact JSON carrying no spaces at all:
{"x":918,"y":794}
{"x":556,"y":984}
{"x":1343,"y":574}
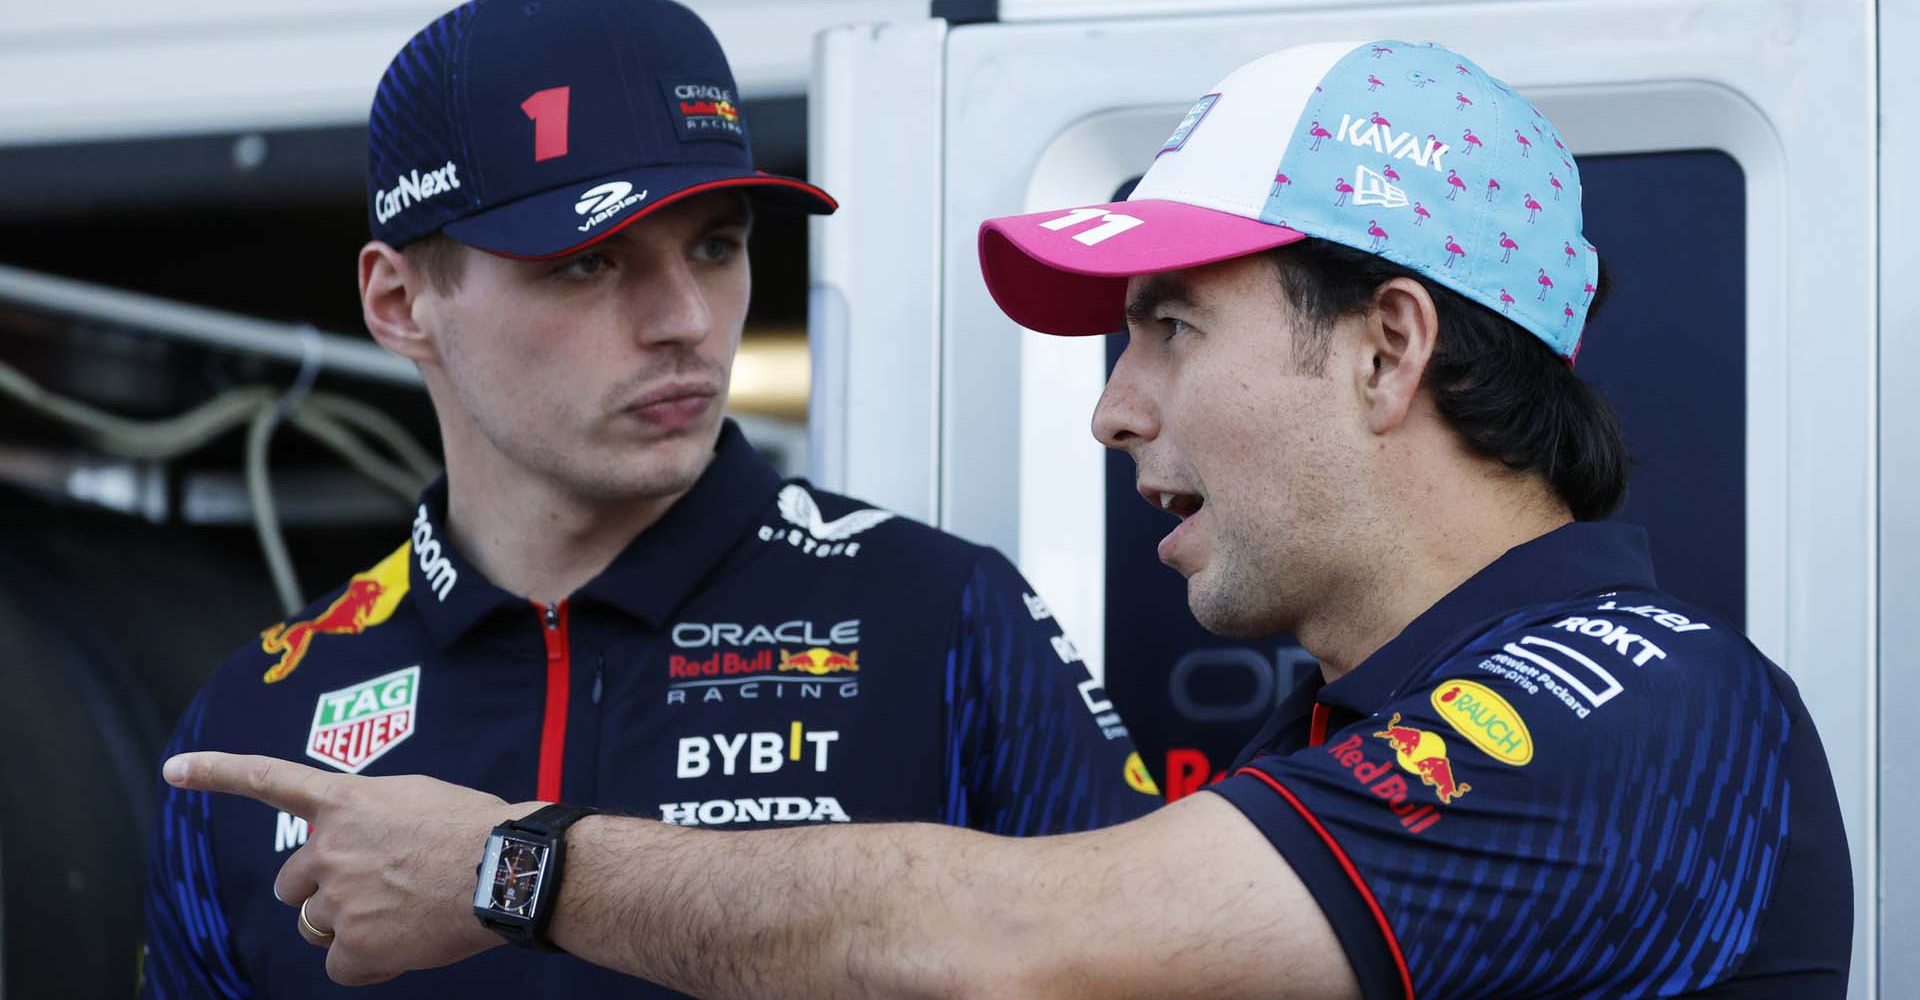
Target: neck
{"x":526,"y":533}
{"x":1422,"y":557}
{"x":534,"y":540}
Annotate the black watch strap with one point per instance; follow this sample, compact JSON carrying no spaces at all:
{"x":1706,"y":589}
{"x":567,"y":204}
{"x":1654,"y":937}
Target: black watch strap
{"x":551,"y":820}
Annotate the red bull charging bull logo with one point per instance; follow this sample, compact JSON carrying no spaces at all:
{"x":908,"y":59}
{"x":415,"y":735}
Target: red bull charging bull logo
{"x":820,"y":661}
{"x":369,"y":600}
{"x":1424,"y":754}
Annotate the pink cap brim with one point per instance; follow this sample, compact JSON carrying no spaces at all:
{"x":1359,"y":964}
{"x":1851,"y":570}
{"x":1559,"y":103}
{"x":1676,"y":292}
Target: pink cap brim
{"x":1053,"y":281}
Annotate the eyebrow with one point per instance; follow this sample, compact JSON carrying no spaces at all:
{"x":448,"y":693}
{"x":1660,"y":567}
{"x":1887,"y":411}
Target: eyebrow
{"x":1156,"y":291}
{"x":740,"y":213}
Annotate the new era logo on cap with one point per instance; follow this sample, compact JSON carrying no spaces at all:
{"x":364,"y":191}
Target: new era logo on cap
{"x":1359,"y":144}
{"x":569,"y":121}
{"x":1374,"y":189}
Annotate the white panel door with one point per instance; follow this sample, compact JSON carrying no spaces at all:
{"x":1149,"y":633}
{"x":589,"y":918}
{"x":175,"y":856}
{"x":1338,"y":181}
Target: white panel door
{"x":1050,"y":111}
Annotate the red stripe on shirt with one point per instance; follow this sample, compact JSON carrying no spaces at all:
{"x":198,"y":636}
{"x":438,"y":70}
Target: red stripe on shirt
{"x":1379,"y":915}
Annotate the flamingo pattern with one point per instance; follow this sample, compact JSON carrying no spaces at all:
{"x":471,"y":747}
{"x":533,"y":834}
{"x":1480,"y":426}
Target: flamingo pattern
{"x":1382,"y":89}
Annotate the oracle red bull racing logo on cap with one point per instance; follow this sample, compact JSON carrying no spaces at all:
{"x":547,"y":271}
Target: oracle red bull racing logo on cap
{"x":704,"y":110}
{"x":369,"y":600}
{"x":355,"y":726}
{"x":1425,"y":754}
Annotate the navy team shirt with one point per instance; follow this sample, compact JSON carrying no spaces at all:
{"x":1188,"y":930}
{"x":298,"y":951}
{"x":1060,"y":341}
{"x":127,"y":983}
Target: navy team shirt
{"x":1561,"y":782}
{"x":766,"y":654}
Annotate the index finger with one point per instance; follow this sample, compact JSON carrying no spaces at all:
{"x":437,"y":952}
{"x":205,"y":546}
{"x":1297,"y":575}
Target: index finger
{"x":284,"y":785}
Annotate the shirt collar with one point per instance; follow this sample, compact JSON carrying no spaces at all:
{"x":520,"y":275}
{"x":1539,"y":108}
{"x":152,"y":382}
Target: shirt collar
{"x":650,"y":579}
{"x":1579,"y":558}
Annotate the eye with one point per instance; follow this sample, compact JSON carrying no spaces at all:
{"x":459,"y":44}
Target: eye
{"x":1174,"y":326}
{"x":584,"y":266}
{"x":718,"y":248}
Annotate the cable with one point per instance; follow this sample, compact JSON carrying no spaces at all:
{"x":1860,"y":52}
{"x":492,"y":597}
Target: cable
{"x":326,"y":418}
{"x":375,"y":423}
{"x":266,"y":521}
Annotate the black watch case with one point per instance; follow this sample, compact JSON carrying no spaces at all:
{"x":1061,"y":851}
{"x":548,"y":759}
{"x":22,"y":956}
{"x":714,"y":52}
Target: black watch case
{"x":518,"y":875}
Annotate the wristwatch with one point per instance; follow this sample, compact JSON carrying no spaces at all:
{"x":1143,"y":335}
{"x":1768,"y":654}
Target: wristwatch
{"x":519,"y":875}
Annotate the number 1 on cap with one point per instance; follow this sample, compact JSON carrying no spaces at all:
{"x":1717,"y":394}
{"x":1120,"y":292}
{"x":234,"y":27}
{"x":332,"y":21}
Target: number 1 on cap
{"x":548,"y":109}
{"x":1111,"y":224}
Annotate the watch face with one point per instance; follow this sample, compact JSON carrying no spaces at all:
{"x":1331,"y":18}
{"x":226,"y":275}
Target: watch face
{"x":513,"y":884}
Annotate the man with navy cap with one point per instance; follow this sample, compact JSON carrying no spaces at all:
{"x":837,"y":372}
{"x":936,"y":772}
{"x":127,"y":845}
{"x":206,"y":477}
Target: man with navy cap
{"x":1522,"y":771}
{"x":610,"y":600}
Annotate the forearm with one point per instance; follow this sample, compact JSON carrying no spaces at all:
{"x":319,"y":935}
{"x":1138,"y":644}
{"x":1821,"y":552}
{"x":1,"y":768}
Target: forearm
{"x":880,"y":911}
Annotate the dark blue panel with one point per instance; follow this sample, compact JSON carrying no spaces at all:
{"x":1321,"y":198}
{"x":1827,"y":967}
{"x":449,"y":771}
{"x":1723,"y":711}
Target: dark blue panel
{"x":1669,"y":350}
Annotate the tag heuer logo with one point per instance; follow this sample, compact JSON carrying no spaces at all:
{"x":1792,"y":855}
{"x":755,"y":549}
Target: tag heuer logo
{"x":353,"y":726}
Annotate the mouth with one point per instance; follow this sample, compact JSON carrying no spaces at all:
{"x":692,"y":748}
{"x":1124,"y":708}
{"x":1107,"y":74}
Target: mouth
{"x":673,"y":405}
{"x":1177,"y":549}
{"x":1179,"y":503}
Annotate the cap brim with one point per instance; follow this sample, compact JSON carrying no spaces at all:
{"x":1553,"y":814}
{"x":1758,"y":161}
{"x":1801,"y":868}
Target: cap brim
{"x":561,"y":221}
{"x":1057,"y":280}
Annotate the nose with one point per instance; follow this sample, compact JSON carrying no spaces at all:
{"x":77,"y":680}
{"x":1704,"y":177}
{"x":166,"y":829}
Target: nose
{"x":671,"y":304}
{"x":1126,"y":415}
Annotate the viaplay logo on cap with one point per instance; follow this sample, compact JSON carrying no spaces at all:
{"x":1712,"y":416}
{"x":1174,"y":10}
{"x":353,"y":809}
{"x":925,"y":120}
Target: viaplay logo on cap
{"x":604,"y":201}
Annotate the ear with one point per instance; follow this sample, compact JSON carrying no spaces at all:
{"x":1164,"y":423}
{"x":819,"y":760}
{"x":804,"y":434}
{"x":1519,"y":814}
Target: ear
{"x":1399,"y":340}
{"x":391,"y":293}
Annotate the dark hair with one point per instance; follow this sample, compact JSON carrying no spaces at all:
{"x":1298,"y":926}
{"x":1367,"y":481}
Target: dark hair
{"x":440,"y":258}
{"x":1506,"y":393}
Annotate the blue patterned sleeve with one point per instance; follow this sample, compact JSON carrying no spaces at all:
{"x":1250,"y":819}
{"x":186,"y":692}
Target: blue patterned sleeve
{"x":1554,"y":811}
{"x":1034,"y":746}
{"x":188,"y":952}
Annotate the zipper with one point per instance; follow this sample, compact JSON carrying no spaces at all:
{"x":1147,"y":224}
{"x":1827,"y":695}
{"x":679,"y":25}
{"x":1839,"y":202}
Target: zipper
{"x":553,"y":727}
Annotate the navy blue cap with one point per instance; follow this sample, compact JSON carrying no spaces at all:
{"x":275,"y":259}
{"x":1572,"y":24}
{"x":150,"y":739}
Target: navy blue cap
{"x":532,"y":128}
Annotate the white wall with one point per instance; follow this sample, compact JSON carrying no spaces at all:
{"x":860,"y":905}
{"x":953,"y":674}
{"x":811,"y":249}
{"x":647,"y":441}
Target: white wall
{"x":118,"y":69}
